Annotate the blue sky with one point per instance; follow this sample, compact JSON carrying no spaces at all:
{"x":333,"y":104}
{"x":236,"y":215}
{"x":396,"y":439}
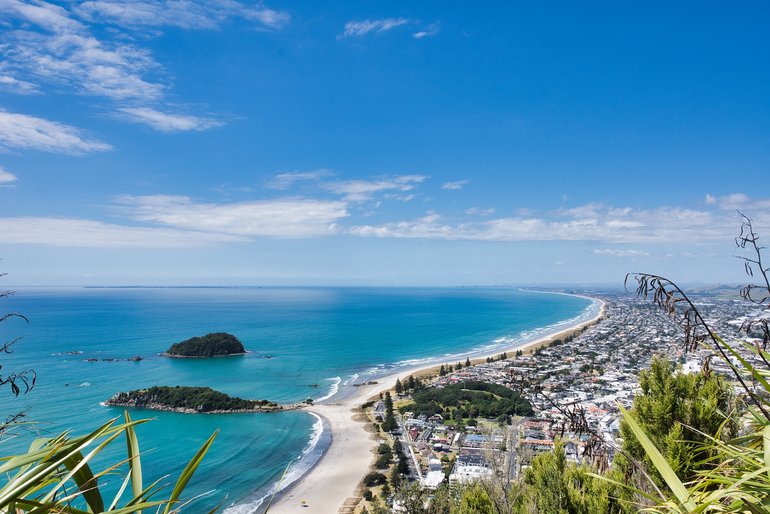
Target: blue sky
{"x":372,"y":142}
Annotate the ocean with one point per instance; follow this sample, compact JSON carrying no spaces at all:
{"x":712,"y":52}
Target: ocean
{"x":303,"y":343}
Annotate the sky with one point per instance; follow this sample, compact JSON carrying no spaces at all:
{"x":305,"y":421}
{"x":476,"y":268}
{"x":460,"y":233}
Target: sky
{"x":225,"y":142}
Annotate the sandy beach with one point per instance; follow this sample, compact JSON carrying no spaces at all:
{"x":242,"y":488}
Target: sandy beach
{"x":332,"y":483}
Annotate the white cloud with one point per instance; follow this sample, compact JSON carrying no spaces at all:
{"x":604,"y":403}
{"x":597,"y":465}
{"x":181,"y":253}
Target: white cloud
{"x":186,"y":14}
{"x":167,"y":122}
{"x":453,"y":186}
{"x":28,"y":132}
{"x":476,"y":211}
{"x":620,"y":253}
{"x":591,"y":222}
{"x":710,"y":199}
{"x":48,"y":44}
{"x":6,"y":177}
{"x":428,"y":226}
{"x":429,"y":31}
{"x":16,"y":86}
{"x":363,"y":190}
{"x":287,"y":179}
{"x":74,"y":232}
{"x":269,"y":17}
{"x":49,"y":16}
{"x":739,"y":202}
{"x":361,"y":28}
{"x":43,"y":43}
{"x":277,"y":218}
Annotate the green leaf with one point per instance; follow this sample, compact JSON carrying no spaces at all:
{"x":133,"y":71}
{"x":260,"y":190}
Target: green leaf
{"x":673,"y":482}
{"x":766,"y":443}
{"x":188,"y":472}
{"x":84,"y":478}
{"x":134,"y":463}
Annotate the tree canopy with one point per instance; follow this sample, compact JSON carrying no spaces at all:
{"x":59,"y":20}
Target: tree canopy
{"x":476,"y":399}
{"x":198,"y":399}
{"x":211,"y":345}
{"x":675,"y":409}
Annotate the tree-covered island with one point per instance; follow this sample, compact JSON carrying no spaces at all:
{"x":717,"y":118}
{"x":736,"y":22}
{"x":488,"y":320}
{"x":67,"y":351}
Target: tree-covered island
{"x":189,"y":400}
{"x":217,"y":344}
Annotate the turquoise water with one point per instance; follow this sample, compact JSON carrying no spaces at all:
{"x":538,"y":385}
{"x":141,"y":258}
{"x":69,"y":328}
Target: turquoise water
{"x":297,"y":337}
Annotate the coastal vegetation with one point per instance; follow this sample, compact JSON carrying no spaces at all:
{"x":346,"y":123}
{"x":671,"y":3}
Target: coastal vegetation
{"x":680,"y":412}
{"x":189,"y":400}
{"x":469,"y":399}
{"x":59,"y":474}
{"x":389,"y":422}
{"x":217,"y":344}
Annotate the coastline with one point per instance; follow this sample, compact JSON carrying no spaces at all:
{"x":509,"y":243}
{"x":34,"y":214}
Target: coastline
{"x":335,"y":478}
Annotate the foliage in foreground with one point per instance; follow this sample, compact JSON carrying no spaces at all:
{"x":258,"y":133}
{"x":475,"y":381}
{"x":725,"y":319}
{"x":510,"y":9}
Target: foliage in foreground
{"x":680,"y":413}
{"x":551,"y":486}
{"x":734,"y":475}
{"x":57,"y":475}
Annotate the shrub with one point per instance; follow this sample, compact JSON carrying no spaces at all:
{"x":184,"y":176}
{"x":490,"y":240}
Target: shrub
{"x":374,"y":479}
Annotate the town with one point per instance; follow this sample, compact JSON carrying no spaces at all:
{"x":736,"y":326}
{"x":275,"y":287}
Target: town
{"x":574,"y":385}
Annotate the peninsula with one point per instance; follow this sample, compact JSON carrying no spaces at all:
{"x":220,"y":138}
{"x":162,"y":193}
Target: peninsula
{"x":217,"y":344}
{"x":189,"y":400}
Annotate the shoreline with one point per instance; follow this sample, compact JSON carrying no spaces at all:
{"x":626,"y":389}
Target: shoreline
{"x":335,"y":478}
{"x":174,"y":356}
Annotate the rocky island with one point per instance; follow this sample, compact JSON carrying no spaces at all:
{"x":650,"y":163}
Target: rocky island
{"x":189,"y":400}
{"x":217,"y":344}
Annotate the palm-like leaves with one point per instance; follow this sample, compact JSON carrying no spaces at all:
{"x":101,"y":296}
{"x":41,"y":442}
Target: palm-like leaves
{"x":737,"y":478}
{"x":56,"y":475}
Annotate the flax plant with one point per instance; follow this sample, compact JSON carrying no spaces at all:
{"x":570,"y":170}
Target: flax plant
{"x":57,"y":475}
{"x":736,"y":476}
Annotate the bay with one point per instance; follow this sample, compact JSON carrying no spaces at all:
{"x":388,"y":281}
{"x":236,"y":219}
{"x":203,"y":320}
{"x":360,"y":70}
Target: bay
{"x":302,"y":342}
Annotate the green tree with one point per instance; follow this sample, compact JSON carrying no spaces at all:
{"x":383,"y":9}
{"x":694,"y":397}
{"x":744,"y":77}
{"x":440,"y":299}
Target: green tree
{"x":412,"y":498}
{"x":389,"y":423}
{"x":399,"y":387}
{"x":475,"y":500}
{"x":676,"y":409}
{"x":554,"y":486}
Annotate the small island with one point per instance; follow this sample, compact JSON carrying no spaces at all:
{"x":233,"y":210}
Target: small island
{"x":189,"y":400}
{"x":217,"y":344}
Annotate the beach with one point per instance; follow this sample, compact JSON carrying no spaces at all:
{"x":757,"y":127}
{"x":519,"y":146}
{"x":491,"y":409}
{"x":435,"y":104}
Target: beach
{"x":333,"y":481}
